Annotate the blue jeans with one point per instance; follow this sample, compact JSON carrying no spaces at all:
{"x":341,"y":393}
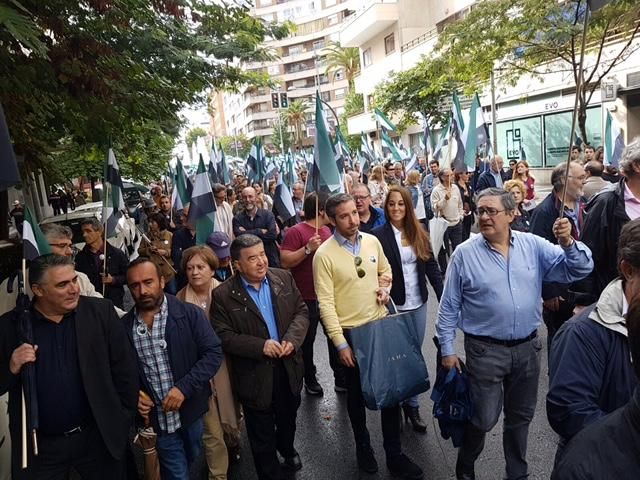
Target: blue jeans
{"x":419,"y":319}
{"x":177,"y":450}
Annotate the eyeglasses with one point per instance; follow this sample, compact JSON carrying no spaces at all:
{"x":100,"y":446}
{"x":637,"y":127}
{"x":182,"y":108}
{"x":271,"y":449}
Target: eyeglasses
{"x":62,"y":246}
{"x":360,"y":197}
{"x":360,"y":271}
{"x":492,"y":212}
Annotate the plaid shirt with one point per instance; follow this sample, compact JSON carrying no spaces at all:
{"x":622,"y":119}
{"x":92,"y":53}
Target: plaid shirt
{"x":152,"y":352}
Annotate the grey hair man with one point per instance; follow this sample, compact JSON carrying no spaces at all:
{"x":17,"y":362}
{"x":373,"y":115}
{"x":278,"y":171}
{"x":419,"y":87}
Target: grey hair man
{"x":495,"y":176}
{"x":492,"y":293}
{"x":607,"y":214}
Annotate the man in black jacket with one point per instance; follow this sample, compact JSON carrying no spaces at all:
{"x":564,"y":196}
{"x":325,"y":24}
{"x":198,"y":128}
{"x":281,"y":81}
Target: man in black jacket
{"x":86,"y":377}
{"x":90,"y":260}
{"x":557,"y":297}
{"x":494,"y":177}
{"x":258,"y":222}
{"x":610,"y":447}
{"x":607,"y":213}
{"x":262,"y":320}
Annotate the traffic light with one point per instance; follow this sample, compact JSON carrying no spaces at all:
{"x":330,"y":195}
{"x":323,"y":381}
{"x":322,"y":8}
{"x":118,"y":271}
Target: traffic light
{"x":275,"y":103}
{"x":284,"y":101}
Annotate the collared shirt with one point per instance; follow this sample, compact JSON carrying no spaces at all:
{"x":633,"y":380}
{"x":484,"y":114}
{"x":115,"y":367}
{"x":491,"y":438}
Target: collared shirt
{"x":631,"y":203}
{"x":490,"y":295}
{"x":497,"y":177}
{"x":62,"y":400}
{"x":151,"y":347}
{"x":353,"y":248}
{"x":262,"y":299}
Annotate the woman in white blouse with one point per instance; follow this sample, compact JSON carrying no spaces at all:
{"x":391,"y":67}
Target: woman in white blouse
{"x":405,"y":243}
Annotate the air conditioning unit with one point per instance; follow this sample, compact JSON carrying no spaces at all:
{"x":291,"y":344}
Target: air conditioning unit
{"x":633,"y":80}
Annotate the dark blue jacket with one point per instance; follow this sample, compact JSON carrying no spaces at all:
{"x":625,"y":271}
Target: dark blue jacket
{"x":263,"y":220}
{"x":182,"y":239}
{"x":376,"y":219}
{"x":195,"y":354}
{"x":486,"y":180}
{"x":590,"y":374}
{"x":426,"y":269}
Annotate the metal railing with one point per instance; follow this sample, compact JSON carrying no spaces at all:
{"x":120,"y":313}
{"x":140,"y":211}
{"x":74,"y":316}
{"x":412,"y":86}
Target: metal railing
{"x":425,"y":37}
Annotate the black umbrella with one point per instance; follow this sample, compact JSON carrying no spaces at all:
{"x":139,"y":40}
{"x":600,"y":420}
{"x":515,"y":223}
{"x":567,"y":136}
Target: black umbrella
{"x":27,"y":373}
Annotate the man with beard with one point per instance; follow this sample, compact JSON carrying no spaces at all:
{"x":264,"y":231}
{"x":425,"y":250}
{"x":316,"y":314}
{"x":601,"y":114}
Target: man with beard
{"x":178,"y":353}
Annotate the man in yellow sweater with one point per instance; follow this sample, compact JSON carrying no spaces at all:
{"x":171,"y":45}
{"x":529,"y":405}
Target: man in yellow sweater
{"x":351,"y":276}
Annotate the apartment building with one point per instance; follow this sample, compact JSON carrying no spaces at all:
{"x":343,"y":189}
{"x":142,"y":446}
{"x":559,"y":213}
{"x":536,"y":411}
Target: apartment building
{"x":299,"y":70}
{"x":534,"y":116}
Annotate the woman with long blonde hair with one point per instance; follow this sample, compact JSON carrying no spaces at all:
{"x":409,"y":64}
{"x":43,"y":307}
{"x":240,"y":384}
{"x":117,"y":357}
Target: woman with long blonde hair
{"x":406,"y":245}
{"x":377,"y":186}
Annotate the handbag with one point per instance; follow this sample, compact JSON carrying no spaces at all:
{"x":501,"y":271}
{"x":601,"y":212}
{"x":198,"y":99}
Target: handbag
{"x":390,"y":359}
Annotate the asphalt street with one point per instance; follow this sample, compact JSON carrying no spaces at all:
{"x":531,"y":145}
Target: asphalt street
{"x":325,"y":443}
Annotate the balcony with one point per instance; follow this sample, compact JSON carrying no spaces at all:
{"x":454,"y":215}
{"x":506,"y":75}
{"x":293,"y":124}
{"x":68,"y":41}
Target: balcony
{"x":363,"y":122}
{"x":369,"y":22}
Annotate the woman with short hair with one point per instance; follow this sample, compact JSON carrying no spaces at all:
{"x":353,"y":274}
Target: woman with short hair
{"x":521,"y":220}
{"x":221,"y":434}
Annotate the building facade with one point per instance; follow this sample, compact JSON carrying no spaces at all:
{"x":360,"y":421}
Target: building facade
{"x":534,"y":116}
{"x":299,"y":70}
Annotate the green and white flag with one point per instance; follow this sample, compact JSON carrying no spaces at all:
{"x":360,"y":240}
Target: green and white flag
{"x":384,"y":122}
{"x":182,"y":188}
{"x":113,"y":203}
{"x":34,"y":243}
{"x":613,"y":142}
{"x":387,"y":144}
{"x":202,"y":208}
{"x":325,"y":172}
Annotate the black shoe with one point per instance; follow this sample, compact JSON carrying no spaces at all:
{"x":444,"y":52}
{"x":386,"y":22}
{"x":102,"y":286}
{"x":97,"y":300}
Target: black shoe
{"x":412,"y":414}
{"x":401,"y":466}
{"x":464,"y":474}
{"x":292,"y":464}
{"x":339,"y":388}
{"x":312,"y":387}
{"x":366,"y":460}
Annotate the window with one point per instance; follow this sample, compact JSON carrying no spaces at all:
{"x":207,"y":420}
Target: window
{"x":318,"y":45}
{"x":522,"y":135}
{"x":389,"y":44}
{"x":274,"y":70}
{"x":326,"y":96}
{"x":366,"y":57}
{"x":333,"y":19}
{"x":339,"y":93}
{"x":294,"y":49}
{"x":556,"y":134}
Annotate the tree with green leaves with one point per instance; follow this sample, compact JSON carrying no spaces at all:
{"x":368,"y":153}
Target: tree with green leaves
{"x":192,"y":136}
{"x":281,"y":135}
{"x":296,"y":115}
{"x":423,"y":88}
{"x":342,"y":59}
{"x":235,"y":145}
{"x":83,"y":75}
{"x":538,"y":37}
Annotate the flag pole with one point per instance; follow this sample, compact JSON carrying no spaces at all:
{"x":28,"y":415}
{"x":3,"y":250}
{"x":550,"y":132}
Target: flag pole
{"x":104,"y":245}
{"x":579,"y":86}
{"x":24,"y":403}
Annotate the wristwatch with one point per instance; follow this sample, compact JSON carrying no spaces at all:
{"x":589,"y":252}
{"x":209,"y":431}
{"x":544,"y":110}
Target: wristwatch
{"x":307,"y":250}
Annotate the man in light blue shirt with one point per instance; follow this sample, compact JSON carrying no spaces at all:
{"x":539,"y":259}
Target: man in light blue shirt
{"x":493,"y":294}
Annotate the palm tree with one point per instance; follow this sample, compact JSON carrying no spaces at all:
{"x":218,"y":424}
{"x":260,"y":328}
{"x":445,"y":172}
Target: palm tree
{"x":346,"y":59}
{"x":296,"y":115}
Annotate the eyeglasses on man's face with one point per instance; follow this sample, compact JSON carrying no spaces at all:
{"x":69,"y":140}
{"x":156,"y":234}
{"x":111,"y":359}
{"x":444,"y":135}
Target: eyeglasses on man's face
{"x":360,"y":198}
{"x":492,"y":212}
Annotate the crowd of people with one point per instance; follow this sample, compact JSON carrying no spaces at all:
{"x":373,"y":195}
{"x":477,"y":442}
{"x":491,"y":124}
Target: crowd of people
{"x":222,"y":334}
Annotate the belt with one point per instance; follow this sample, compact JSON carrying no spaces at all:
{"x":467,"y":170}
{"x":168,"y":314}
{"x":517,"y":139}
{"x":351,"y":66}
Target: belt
{"x":504,"y":343}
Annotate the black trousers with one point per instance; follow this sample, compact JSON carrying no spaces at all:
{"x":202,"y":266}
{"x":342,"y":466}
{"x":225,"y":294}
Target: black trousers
{"x":390,"y":417}
{"x":273,"y":430}
{"x":85,"y":452}
{"x":307,"y":348}
{"x":452,"y":238}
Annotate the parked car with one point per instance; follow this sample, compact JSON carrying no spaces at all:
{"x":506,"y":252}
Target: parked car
{"x":126,"y":237}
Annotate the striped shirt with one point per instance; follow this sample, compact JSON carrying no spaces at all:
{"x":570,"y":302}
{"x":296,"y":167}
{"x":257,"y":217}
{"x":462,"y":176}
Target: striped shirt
{"x":151,"y":347}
